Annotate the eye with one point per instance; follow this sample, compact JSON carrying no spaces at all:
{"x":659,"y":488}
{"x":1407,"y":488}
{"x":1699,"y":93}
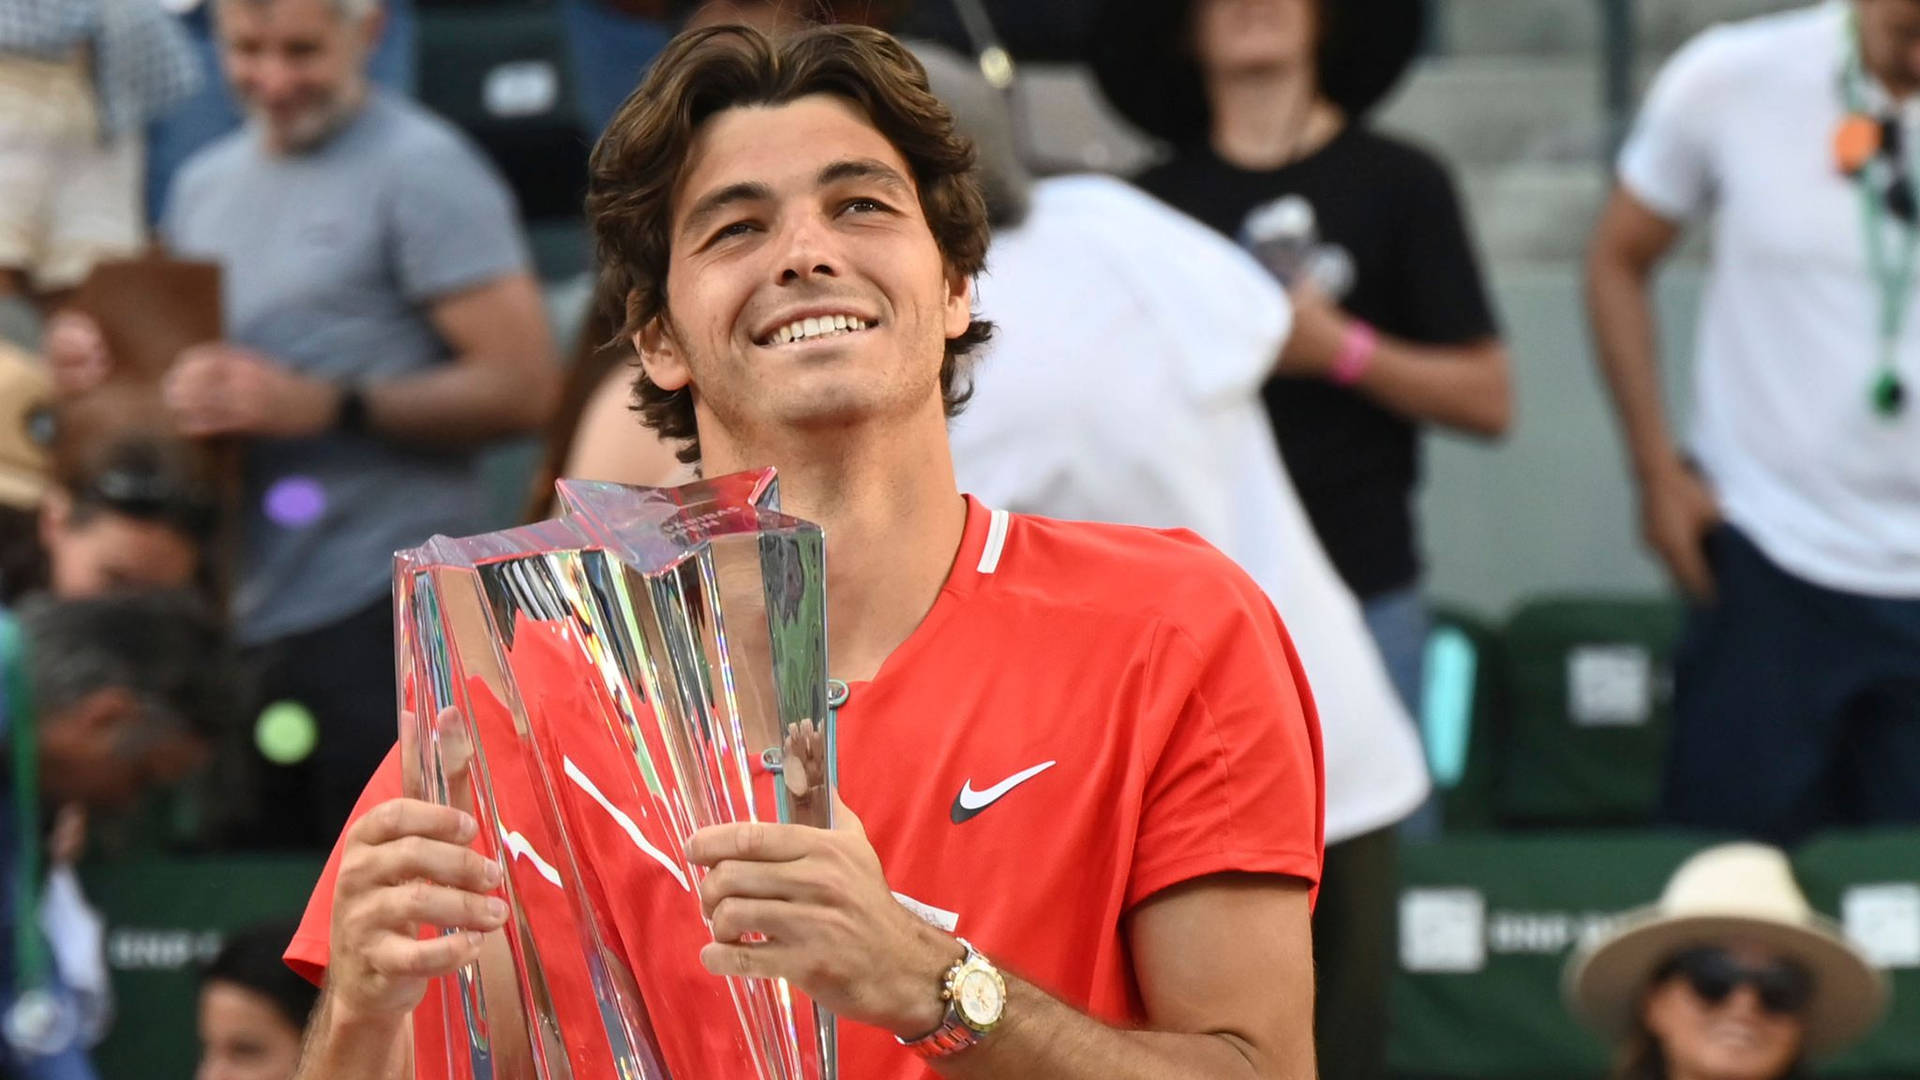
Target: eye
{"x":865,"y":206}
{"x":728,"y":232}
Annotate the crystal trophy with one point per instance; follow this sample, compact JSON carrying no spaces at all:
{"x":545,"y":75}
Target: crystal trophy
{"x":594,"y":688}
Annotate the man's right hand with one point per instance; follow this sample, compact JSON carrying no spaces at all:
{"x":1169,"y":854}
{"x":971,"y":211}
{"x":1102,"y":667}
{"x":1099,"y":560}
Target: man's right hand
{"x":1677,"y":510}
{"x":76,"y":353}
{"x":407,"y":862}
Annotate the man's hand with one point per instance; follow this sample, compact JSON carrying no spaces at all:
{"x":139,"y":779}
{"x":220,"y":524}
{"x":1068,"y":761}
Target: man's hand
{"x":1676,"y":513}
{"x":831,"y":926}
{"x":405,"y":863}
{"x":76,"y":353}
{"x":1319,"y":330}
{"x":222,"y":389}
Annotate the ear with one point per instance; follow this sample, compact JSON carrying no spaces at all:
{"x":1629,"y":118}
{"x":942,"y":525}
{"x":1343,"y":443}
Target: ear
{"x":661,"y":356}
{"x":959,"y":308}
{"x":373,"y":27}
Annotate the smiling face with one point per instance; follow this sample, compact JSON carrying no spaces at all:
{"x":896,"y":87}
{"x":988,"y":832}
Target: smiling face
{"x":1734,"y":1038}
{"x":296,"y":66}
{"x":805,"y":290}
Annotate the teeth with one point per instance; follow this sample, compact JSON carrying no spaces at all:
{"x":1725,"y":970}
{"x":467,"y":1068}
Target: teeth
{"x":819,"y":326}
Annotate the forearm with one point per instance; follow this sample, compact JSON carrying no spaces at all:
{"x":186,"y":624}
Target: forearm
{"x":1043,"y":1039}
{"x":1464,"y":388}
{"x":339,"y":1047}
{"x":1620,"y":308}
{"x":459,"y":404}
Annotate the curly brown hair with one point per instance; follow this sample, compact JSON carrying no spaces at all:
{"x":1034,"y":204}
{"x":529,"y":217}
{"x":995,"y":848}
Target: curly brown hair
{"x":636,"y":169}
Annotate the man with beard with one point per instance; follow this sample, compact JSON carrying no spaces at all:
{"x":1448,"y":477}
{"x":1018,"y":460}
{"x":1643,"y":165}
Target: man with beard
{"x":381,"y":325}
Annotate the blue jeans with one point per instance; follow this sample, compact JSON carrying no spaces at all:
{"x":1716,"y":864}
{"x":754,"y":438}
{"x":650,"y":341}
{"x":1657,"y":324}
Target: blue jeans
{"x":211,"y":112}
{"x":1399,"y":624}
{"x":611,"y":52}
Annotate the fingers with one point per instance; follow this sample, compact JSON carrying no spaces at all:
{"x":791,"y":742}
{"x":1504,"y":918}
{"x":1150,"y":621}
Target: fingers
{"x":736,"y":918}
{"x":414,"y":857}
{"x":1689,"y":566}
{"x":398,"y":818}
{"x":424,"y":958}
{"x":437,"y":905}
{"x":753,"y":841}
{"x":736,"y":879}
{"x":762,"y":960}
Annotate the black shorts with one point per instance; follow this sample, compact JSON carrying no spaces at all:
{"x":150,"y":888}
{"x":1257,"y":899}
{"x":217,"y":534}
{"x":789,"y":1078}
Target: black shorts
{"x":1796,"y":707}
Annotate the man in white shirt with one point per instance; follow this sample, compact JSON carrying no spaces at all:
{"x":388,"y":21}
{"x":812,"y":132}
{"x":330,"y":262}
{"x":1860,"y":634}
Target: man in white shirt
{"x":1793,"y":521}
{"x":1122,"y":384}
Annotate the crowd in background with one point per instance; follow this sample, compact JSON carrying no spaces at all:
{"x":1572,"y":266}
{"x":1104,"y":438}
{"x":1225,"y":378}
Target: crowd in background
{"x":1247,"y":339}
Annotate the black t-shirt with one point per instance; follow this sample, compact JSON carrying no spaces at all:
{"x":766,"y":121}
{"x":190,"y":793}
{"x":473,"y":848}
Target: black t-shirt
{"x":1392,"y":210}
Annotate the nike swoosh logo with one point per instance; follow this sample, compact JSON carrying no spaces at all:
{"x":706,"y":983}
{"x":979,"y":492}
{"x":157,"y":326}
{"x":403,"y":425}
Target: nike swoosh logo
{"x":970,"y":802}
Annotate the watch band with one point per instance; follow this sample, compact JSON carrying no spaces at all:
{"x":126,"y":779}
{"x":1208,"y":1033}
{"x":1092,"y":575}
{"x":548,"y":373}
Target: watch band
{"x":955,"y":1033}
{"x":350,"y":412}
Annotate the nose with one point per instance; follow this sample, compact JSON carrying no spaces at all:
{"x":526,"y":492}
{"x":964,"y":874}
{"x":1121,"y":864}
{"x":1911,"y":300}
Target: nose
{"x":1744,"y":1002}
{"x":273,"y":80}
{"x":809,"y":253}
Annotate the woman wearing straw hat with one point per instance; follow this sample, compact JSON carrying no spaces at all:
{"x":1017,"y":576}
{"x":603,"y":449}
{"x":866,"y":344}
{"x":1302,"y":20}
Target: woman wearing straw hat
{"x":1731,"y":976}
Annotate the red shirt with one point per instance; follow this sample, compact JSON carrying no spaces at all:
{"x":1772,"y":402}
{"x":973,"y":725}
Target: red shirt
{"x":1089,"y":714}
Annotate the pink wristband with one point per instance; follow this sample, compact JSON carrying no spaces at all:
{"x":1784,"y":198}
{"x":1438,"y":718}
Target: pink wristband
{"x":1356,"y":354}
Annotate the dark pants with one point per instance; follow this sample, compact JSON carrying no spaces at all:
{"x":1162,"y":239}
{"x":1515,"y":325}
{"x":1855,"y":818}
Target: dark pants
{"x":342,"y":673}
{"x":1354,"y":932}
{"x":1796,"y":707}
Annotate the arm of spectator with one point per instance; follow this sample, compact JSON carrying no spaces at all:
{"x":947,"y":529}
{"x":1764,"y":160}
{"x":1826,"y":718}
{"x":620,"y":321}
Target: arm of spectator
{"x":1676,"y":508}
{"x":505,"y":379}
{"x":1468,"y":387}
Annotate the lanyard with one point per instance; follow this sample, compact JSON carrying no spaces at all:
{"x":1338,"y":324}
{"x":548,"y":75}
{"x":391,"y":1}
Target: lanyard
{"x":29,"y":948}
{"x":1892,"y":270}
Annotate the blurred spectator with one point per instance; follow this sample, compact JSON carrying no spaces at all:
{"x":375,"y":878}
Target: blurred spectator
{"x":105,"y":697}
{"x":1264,"y":103}
{"x":1122,"y":384}
{"x":1731,"y":976}
{"x":1793,"y":524}
{"x":253,"y":1008}
{"x":383,"y":326}
{"x":211,"y":112}
{"x":78,"y":81}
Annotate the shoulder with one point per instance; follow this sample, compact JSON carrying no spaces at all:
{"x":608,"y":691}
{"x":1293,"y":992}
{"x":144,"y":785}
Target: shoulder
{"x":1154,"y":577}
{"x":1399,"y":158}
{"x":1756,"y":52}
{"x":423,"y":144}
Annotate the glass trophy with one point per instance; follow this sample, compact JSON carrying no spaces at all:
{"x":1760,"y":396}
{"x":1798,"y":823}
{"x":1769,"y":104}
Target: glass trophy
{"x":594,"y":688}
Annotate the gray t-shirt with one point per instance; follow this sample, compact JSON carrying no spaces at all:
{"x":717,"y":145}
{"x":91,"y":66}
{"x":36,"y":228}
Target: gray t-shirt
{"x":333,"y":260}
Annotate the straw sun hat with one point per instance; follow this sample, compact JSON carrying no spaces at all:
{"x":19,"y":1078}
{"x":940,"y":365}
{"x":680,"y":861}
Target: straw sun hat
{"x":1735,"y":893}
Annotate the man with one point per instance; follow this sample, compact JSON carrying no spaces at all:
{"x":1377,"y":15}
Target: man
{"x":108,"y":697}
{"x":795,"y":229}
{"x":1143,"y":407}
{"x":1265,"y":104}
{"x":1793,"y":524}
{"x":382,"y":327}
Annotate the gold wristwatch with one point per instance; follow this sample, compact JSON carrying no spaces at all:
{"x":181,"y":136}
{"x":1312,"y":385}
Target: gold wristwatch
{"x":976,"y":998}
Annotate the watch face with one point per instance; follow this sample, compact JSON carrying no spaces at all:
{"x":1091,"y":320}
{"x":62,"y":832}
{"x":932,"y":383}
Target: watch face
{"x":981,"y":998}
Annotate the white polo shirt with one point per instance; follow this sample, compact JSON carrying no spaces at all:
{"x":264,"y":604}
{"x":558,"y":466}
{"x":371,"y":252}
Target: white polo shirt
{"x":1122,"y":385}
{"x":1742,"y":122}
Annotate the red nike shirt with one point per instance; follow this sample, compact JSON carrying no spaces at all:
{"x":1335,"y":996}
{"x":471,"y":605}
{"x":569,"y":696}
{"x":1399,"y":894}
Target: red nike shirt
{"x":1088,"y":715}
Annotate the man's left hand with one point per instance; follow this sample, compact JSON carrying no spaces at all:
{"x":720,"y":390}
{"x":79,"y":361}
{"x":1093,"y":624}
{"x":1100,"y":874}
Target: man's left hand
{"x":223,"y":389}
{"x":1319,"y":330}
{"x":830,"y":924}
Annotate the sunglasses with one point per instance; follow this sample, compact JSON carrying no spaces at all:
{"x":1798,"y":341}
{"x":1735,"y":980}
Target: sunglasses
{"x":1783,"y":987}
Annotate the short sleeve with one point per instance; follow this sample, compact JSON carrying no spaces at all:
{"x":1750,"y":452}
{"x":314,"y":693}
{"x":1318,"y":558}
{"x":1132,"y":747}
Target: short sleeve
{"x":307,"y":953}
{"x":1668,"y":159}
{"x":1444,"y":291}
{"x":454,"y":223}
{"x":1238,"y":784}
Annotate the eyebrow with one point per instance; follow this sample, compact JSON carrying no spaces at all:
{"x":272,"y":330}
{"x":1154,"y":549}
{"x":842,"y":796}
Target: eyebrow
{"x":864,"y":169}
{"x":713,"y":203}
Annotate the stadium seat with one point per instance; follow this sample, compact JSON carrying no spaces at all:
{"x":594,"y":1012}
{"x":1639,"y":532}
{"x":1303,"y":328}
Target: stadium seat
{"x":1461,"y":715}
{"x":1870,"y":881}
{"x":1590,"y":685}
{"x":165,"y":918}
{"x":500,"y":71}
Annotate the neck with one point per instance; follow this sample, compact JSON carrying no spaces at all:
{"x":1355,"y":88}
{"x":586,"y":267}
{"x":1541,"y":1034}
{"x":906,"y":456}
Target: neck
{"x":886,"y":497}
{"x":1268,"y":117}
